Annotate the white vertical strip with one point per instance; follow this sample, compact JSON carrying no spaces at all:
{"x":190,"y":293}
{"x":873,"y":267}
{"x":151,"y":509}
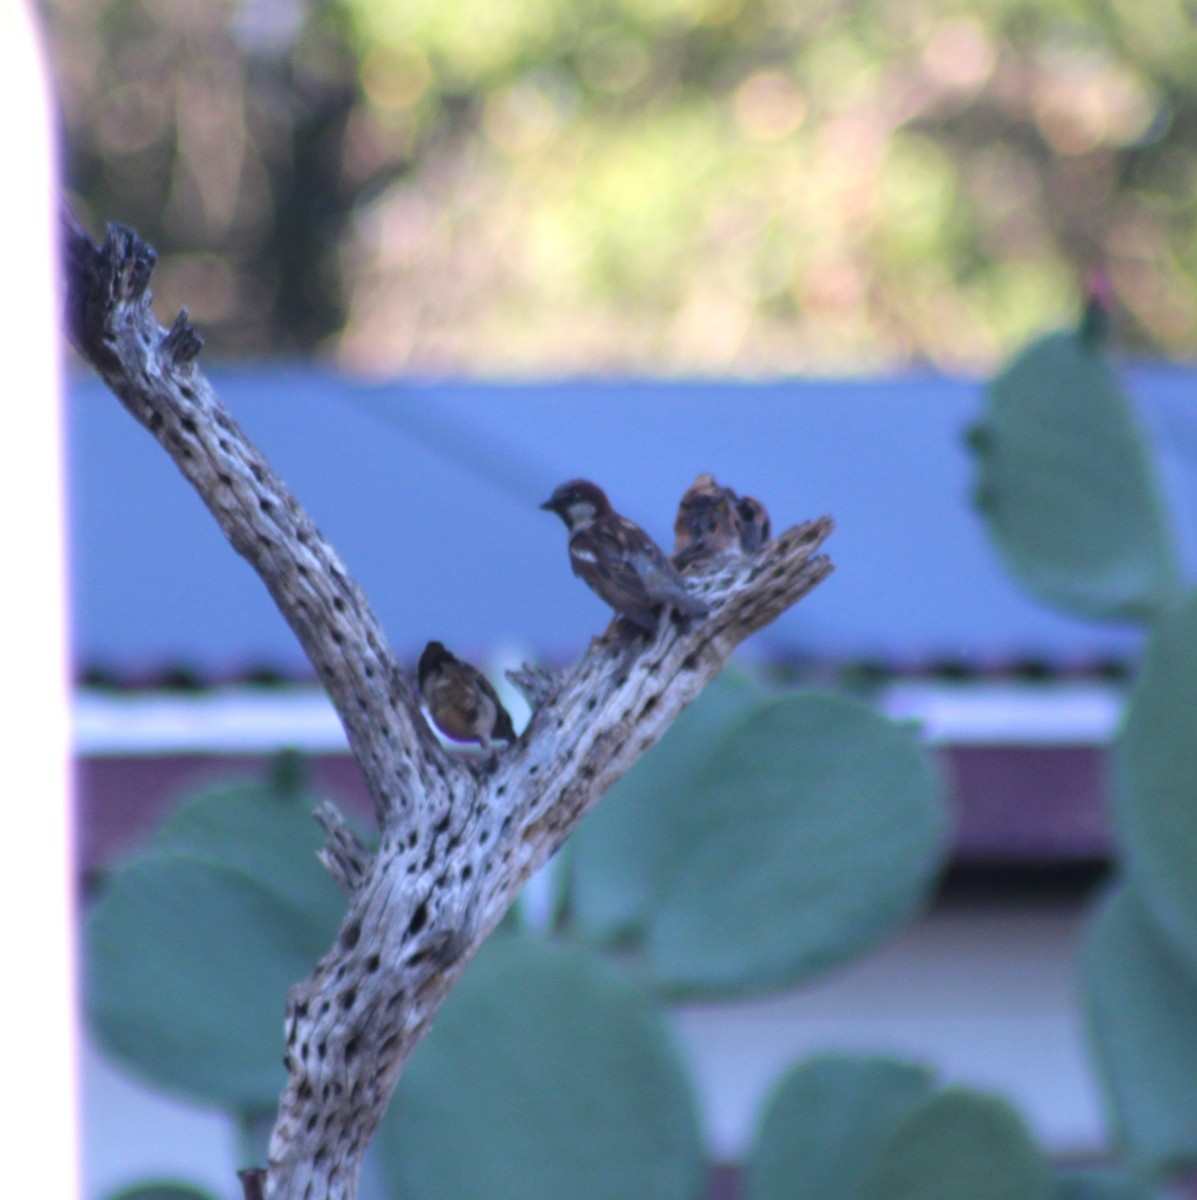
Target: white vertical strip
{"x":37,"y":1003}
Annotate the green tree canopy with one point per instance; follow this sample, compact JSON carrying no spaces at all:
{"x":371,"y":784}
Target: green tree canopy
{"x":697,"y":185}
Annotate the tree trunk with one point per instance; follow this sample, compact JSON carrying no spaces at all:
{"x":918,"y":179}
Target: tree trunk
{"x":457,"y":842}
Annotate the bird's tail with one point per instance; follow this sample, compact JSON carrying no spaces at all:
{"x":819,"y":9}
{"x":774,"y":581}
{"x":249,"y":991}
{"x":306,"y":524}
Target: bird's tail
{"x":686,"y":602}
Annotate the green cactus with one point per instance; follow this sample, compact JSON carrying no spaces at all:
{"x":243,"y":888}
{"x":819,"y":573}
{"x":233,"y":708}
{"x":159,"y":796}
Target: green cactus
{"x":616,"y":851}
{"x":190,"y":947}
{"x":813,"y":829}
{"x":825,"y":1123}
{"x":165,"y":1190}
{"x":1070,"y":496}
{"x":1154,"y":795}
{"x":1066,"y":485}
{"x":1141,"y":1002}
{"x":548,"y":1076}
{"x":960,"y":1144}
{"x":832,"y":825}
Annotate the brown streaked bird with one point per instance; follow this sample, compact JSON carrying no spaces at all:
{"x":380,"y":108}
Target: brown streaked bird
{"x":755,"y":526}
{"x":617,"y":559}
{"x":707,"y":522}
{"x":460,"y":699}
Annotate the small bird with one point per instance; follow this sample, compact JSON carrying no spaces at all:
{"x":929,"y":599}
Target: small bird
{"x":707,"y":522}
{"x":460,"y":699}
{"x":617,"y":559}
{"x":712,"y":520}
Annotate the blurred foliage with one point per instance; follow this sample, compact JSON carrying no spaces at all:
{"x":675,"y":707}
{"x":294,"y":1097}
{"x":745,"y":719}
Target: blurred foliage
{"x":809,"y":807}
{"x":161,"y":1191}
{"x":548,"y":1074}
{"x":812,"y":808}
{"x":1154,"y":800}
{"x":1141,"y":997}
{"x":1103,"y":1183}
{"x":168,"y":988}
{"x":854,"y":1127}
{"x":551,"y":1071}
{"x":615,"y":854}
{"x":1067,"y":486}
{"x":825,"y":1123}
{"x":697,"y":185}
{"x":1070,"y":494}
{"x":960,"y":1144}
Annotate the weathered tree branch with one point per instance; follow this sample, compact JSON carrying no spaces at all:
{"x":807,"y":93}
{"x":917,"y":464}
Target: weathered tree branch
{"x":342,"y":855}
{"x":456,"y":844}
{"x":152,"y":372}
{"x":535,"y":683}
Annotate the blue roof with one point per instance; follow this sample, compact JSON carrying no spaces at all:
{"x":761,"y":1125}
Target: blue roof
{"x":429,"y":493}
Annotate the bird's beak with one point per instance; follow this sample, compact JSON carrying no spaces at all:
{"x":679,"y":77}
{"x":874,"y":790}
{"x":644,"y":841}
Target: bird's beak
{"x":547,"y":506}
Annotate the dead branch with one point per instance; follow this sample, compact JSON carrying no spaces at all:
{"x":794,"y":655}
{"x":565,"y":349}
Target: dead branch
{"x":456,"y":844}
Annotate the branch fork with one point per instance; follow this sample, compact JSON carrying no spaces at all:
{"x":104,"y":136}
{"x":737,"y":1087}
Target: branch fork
{"x":456,"y":844}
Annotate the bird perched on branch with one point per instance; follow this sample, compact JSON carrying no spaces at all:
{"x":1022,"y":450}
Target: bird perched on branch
{"x":618,"y":560}
{"x":460,"y":699}
{"x":711,"y":520}
{"x":707,"y":522}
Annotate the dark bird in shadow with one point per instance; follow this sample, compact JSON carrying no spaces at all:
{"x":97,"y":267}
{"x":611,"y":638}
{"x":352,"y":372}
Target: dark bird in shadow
{"x":618,"y":560}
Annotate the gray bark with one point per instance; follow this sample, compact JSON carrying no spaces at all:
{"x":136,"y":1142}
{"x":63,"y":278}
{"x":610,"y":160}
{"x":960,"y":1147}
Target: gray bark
{"x":457,"y":843}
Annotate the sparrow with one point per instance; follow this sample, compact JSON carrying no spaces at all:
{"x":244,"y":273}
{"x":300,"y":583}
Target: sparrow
{"x":707,"y":522}
{"x":461,"y":701}
{"x":713,"y":519}
{"x":617,"y":559}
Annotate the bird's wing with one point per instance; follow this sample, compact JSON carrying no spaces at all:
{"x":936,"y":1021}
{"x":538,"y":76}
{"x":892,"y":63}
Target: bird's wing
{"x":658,"y":575}
{"x":503,"y":727}
{"x":605,"y":557}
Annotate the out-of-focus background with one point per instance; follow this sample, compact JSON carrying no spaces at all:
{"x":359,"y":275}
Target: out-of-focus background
{"x":443,"y":254}
{"x":547,"y":187}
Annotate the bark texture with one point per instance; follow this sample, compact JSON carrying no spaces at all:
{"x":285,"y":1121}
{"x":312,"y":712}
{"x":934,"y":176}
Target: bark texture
{"x":457,"y":841}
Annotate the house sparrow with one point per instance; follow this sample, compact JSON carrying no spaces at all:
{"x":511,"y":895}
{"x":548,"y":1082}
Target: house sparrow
{"x":460,"y":699}
{"x":755,"y":526}
{"x":707,"y":522}
{"x":713,"y":519}
{"x":618,"y":559}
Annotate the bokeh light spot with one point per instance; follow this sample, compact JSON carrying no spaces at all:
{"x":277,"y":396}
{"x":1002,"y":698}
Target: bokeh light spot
{"x":769,"y":105}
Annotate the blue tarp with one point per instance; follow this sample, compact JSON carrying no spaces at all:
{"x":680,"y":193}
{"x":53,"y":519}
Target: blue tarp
{"x":429,"y":492}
